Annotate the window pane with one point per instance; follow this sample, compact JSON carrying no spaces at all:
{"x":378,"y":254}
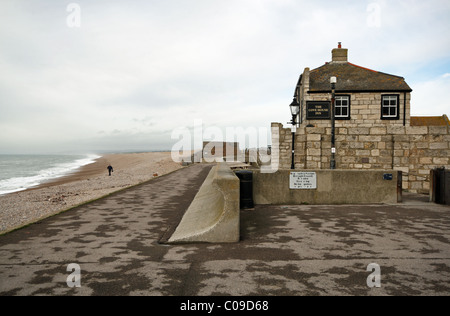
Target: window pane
{"x":385,"y":111}
{"x":393,"y":111}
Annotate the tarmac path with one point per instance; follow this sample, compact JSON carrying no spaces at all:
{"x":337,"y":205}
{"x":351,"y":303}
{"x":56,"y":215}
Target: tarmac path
{"x":284,"y":250}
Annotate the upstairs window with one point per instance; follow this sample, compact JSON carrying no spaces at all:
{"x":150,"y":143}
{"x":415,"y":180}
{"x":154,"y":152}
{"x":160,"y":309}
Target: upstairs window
{"x":342,"y":107}
{"x":390,"y":107}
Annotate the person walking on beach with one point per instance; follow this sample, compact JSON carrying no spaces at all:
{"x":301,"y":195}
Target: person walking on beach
{"x":110,"y":169}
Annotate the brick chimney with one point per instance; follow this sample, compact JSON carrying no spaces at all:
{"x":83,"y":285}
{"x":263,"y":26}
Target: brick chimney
{"x":339,"y":55}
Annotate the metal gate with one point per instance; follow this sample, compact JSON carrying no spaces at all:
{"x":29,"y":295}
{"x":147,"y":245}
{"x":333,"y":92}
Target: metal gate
{"x":440,"y":186}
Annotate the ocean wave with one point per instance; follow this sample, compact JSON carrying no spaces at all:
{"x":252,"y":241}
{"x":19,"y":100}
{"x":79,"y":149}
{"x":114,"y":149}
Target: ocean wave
{"x":17,"y":184}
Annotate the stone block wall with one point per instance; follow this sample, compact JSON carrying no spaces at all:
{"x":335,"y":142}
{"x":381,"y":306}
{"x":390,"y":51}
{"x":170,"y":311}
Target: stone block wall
{"x":365,"y":110}
{"x":412,"y":150}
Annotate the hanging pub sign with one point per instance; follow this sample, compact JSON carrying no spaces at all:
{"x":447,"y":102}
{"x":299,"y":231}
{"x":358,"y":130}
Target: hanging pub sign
{"x":318,"y":110}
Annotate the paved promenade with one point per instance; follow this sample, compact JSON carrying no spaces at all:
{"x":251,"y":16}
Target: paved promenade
{"x":285,"y":250}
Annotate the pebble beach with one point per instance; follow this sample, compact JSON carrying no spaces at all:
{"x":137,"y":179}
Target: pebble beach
{"x":85,"y":184}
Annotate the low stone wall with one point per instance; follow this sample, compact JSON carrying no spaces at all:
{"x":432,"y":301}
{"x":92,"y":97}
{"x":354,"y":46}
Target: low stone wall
{"x":333,"y":187}
{"x":214,"y":215}
{"x":412,"y":150}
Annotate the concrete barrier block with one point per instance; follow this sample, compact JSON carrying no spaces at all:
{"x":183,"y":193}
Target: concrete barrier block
{"x":333,"y":187}
{"x":214,"y":214}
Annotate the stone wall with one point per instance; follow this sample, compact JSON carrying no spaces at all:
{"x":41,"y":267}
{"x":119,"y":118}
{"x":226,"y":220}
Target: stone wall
{"x":412,"y":150}
{"x":365,"y":109}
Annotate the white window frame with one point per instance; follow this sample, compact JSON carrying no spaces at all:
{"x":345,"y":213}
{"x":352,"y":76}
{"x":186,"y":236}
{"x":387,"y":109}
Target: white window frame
{"x":342,"y":98}
{"x":393,"y":103}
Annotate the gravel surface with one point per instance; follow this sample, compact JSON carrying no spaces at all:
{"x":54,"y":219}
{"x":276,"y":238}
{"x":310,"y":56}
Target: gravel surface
{"x":88,"y":183}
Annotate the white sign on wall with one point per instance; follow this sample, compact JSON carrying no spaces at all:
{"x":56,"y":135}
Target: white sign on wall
{"x":303,"y":180}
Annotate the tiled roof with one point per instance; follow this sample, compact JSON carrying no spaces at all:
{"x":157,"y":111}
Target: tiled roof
{"x":430,"y":120}
{"x":353,"y":78}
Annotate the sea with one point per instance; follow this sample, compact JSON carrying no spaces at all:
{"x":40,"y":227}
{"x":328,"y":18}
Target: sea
{"x":21,"y":172}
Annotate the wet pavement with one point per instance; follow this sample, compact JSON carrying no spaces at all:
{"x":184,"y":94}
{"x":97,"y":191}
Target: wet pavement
{"x":118,"y":244}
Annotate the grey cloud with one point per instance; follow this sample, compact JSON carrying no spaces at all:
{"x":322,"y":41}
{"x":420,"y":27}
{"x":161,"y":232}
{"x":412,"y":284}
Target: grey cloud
{"x":142,"y":68}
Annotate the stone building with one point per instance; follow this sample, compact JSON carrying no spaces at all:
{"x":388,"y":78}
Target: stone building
{"x":217,"y":151}
{"x":374,"y":127}
{"x":364,"y":97}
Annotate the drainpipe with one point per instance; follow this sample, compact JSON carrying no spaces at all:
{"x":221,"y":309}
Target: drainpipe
{"x":404,"y":109}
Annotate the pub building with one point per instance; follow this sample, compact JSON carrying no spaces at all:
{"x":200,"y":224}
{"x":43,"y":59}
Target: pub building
{"x":373,"y":127}
{"x":364,"y":97}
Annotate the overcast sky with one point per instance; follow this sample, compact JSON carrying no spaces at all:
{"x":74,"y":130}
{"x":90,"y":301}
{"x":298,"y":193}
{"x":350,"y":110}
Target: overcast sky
{"x":117,"y":75}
